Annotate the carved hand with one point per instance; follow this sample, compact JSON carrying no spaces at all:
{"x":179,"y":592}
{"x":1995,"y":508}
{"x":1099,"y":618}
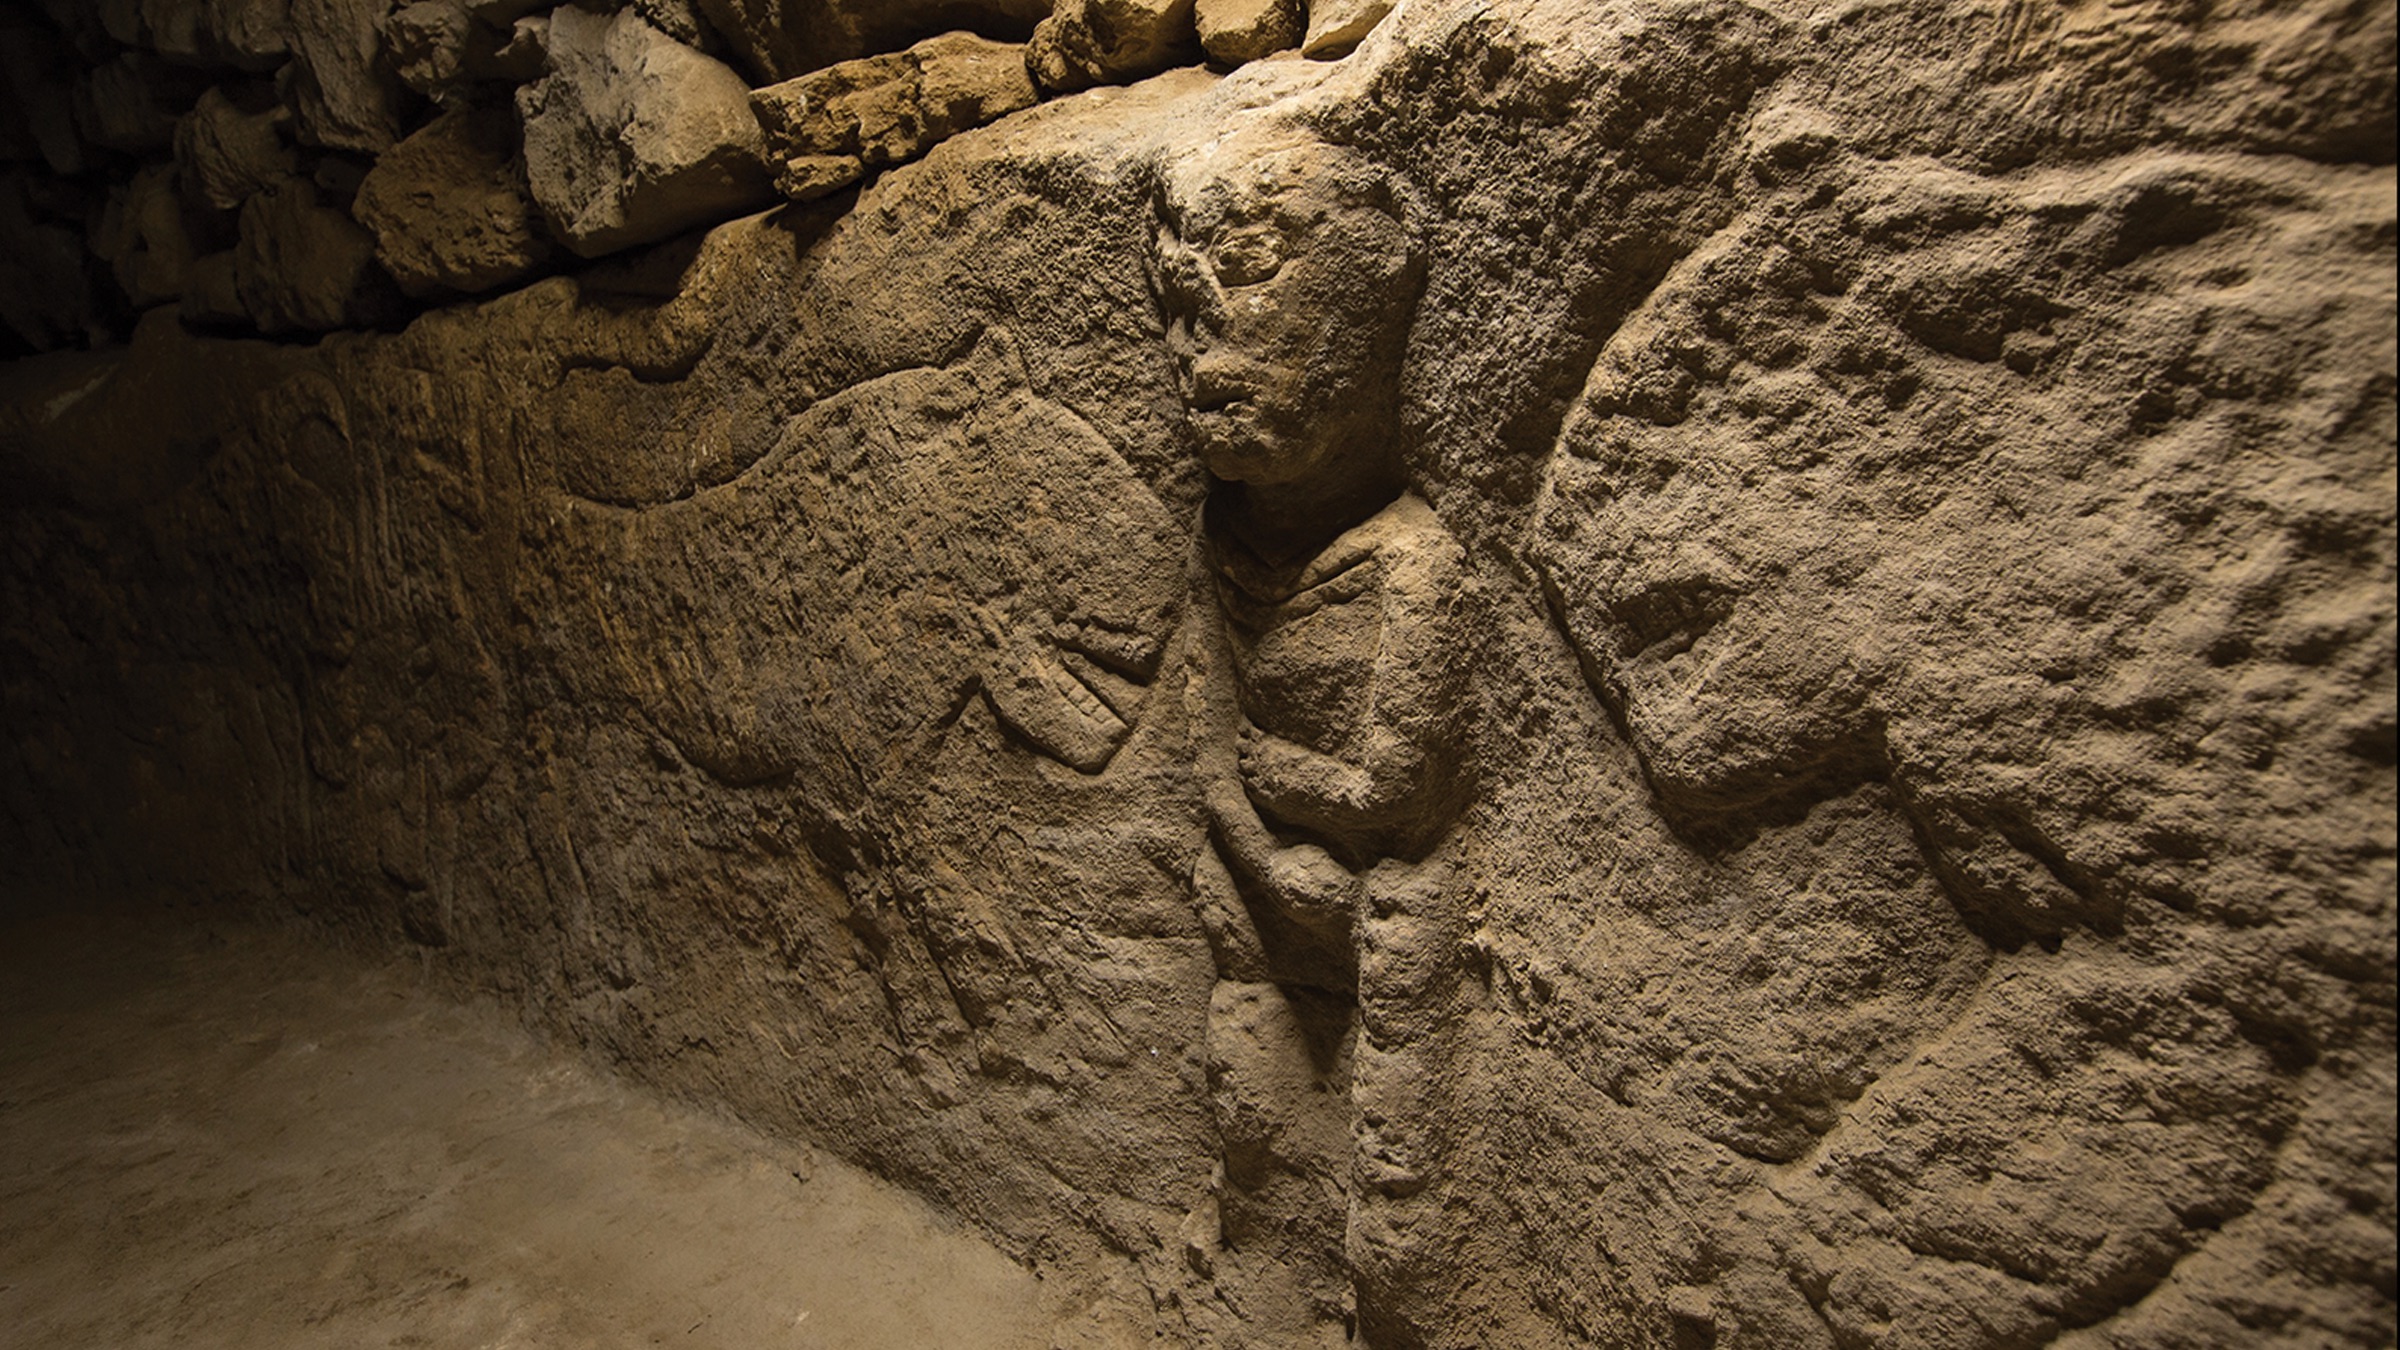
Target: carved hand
{"x":1318,"y":791}
{"x":1303,"y":881}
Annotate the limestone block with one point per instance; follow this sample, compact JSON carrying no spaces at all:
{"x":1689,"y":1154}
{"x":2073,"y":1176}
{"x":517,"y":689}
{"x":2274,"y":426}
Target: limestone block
{"x":301,"y":265}
{"x":1335,"y":26}
{"x":774,"y":40}
{"x":251,"y":34}
{"x":633,"y":136}
{"x":144,"y":238}
{"x":441,"y":47}
{"x":212,"y":298}
{"x":131,"y":103}
{"x":240,"y":34}
{"x":449,"y":208}
{"x":835,"y":111}
{"x":1235,"y":31}
{"x":229,"y":149}
{"x":342,"y":95}
{"x":1088,"y":42}
{"x":427,"y":43}
{"x":965,"y":81}
{"x":524,"y":51}
{"x":824,"y":130}
{"x":804,"y":178}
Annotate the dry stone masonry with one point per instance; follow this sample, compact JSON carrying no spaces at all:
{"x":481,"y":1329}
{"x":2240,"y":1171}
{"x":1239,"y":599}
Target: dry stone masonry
{"x":1434,"y":673}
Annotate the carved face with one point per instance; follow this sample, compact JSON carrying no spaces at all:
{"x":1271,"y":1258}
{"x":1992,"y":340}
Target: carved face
{"x":1287,"y":280}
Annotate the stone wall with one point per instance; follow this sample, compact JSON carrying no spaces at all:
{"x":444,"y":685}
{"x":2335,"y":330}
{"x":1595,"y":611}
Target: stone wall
{"x":1511,"y":673}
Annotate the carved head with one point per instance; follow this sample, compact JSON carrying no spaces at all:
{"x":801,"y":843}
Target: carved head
{"x":1288,"y":277}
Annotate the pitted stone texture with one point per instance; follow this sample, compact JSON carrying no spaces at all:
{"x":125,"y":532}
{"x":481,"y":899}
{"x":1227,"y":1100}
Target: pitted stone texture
{"x":825,"y":130}
{"x":1089,"y":42}
{"x":632,"y":136}
{"x":449,"y":207}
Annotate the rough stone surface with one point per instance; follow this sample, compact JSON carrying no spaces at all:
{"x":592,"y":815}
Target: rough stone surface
{"x":632,"y":136}
{"x":302,"y":265}
{"x":212,"y":296}
{"x":131,"y":104}
{"x":823,"y":131}
{"x":449,"y":207}
{"x":441,"y":50}
{"x":147,"y":237}
{"x":1088,"y":42}
{"x":426,"y":43}
{"x":1652,"y":674}
{"x":252,"y":35}
{"x":774,"y":41}
{"x":1235,"y":31}
{"x":225,"y":151}
{"x":1335,"y":26}
{"x":342,"y":91}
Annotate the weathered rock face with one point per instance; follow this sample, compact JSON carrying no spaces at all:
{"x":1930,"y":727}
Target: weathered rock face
{"x":1235,"y":31}
{"x":1088,"y":42}
{"x":228,"y":152}
{"x":343,"y":93}
{"x":773,"y":41}
{"x":302,"y":265}
{"x":146,"y":237}
{"x":1652,"y":674}
{"x":824,"y":131}
{"x":449,"y":209}
{"x":632,"y":136}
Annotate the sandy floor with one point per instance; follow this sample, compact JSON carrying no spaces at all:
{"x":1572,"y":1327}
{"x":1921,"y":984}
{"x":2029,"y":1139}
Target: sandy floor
{"x":213,"y":1136}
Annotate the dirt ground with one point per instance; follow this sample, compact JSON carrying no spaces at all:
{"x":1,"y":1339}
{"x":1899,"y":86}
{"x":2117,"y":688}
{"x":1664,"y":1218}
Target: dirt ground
{"x":215,"y":1135}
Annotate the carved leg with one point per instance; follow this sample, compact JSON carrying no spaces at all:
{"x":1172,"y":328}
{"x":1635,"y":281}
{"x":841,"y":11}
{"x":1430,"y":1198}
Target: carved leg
{"x":1402,"y":1087}
{"x":1277,"y":1072}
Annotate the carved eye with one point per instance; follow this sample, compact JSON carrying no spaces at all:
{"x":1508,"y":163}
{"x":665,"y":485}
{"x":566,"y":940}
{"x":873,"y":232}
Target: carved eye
{"x":1249,"y":257}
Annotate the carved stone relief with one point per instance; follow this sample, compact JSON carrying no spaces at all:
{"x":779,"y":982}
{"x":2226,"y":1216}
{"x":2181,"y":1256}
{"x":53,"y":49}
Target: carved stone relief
{"x":1654,"y":674}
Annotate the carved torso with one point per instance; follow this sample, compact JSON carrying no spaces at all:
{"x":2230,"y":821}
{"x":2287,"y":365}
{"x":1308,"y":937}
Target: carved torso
{"x":1350,"y":672}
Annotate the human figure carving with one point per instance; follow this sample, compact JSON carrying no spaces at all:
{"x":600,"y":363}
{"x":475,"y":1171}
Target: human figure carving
{"x":1289,"y":276}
